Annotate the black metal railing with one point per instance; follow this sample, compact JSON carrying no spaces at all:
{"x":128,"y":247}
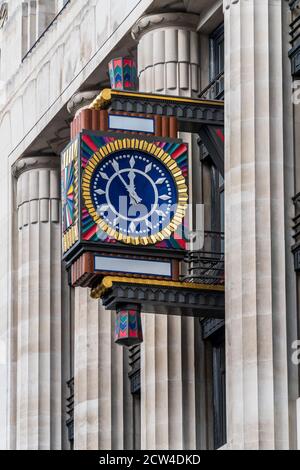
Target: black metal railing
{"x":215,"y":89}
{"x":135,"y":369}
{"x":295,"y":32}
{"x":70,"y":411}
{"x":293,"y":4}
{"x":46,"y":30}
{"x":294,"y":52}
{"x":3,"y":13}
{"x":296,"y":219}
{"x":207,"y":266}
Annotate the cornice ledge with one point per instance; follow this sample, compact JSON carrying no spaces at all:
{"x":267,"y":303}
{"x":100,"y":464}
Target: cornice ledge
{"x":35,"y":163}
{"x":162,"y":20}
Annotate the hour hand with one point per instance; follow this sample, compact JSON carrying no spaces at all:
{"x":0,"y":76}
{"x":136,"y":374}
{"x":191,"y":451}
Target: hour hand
{"x":131,"y":177}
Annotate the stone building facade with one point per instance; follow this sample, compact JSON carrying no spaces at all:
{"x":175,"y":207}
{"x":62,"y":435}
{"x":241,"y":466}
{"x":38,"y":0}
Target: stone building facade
{"x":64,"y":383}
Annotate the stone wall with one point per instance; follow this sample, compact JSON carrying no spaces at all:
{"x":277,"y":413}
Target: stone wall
{"x":35,"y":91}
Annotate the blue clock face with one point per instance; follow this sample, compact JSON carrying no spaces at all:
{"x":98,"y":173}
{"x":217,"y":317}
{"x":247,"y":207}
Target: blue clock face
{"x":134,"y":193}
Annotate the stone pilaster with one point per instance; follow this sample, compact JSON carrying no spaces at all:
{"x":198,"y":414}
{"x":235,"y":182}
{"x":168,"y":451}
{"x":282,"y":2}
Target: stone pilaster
{"x":37,"y":410}
{"x":168,"y":53}
{"x":259,"y":295}
{"x":168,"y":62}
{"x":102,"y":388}
{"x":170,"y":383}
{"x":103,"y":402}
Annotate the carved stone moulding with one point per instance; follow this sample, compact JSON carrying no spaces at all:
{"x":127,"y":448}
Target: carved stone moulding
{"x":228,"y":3}
{"x":163,"y":297}
{"x":34,"y":163}
{"x":80,"y":100}
{"x":177,"y":20}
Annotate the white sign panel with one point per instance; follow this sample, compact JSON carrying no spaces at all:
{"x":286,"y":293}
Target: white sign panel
{"x":131,"y":123}
{"x":133,"y":266}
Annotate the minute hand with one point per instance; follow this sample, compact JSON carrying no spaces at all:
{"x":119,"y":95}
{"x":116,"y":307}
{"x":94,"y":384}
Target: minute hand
{"x":131,"y":191}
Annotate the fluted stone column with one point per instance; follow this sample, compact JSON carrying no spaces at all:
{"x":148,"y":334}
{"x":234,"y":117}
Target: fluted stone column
{"x":168,"y":63}
{"x":103,"y":402}
{"x":37,"y":385}
{"x":168,"y":53}
{"x":260,"y":285}
{"x":102,"y":412}
{"x":170,"y":383}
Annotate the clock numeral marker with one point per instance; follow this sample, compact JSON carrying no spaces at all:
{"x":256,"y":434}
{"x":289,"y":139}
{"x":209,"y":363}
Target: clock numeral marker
{"x":100,"y":192}
{"x":160,"y":181}
{"x":148,"y":168}
{"x":103,"y":208}
{"x":132,"y":227}
{"x":132,"y":162}
{"x":115,"y":165}
{"x":149,"y":224}
{"x":104,"y":175}
{"x":165,"y":197}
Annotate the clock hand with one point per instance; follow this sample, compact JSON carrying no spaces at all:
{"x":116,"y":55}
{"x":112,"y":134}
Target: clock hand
{"x":133,"y":196}
{"x":131,"y":177}
{"x":132,"y":191}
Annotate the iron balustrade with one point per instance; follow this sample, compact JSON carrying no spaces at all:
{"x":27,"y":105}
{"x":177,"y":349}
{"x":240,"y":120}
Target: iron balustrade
{"x":3,"y":14}
{"x":70,"y":411}
{"x":296,"y":234}
{"x":135,"y":368}
{"x":294,"y":52}
{"x":296,"y":219}
{"x":207,"y":266}
{"x":215,"y":89}
{"x":293,"y":4}
{"x":295,"y":31}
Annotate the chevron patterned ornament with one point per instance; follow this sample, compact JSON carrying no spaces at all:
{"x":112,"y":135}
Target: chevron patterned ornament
{"x":128,"y":330}
{"x":91,"y":231}
{"x":122,"y":73}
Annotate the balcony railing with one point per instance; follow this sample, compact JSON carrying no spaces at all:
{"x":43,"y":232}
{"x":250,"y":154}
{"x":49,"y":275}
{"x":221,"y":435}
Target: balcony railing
{"x":3,"y":14}
{"x":46,"y":30}
{"x":135,"y":369}
{"x":215,"y":89}
{"x":293,"y":4}
{"x":296,"y":219}
{"x":294,"y":52}
{"x":296,"y":235}
{"x":206,"y":266}
{"x":70,"y":411}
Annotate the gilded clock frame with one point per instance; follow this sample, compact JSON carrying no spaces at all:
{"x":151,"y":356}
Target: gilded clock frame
{"x":160,"y":154}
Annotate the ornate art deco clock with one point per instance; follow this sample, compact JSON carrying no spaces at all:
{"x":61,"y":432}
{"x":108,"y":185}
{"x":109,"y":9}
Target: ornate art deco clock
{"x":134,"y":191}
{"x":124,"y":204}
{"x":124,"y":201}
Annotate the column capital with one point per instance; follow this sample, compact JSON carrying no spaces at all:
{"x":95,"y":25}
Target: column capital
{"x":228,"y":3}
{"x":34,"y":162}
{"x":177,"y":20}
{"x":81,"y":100}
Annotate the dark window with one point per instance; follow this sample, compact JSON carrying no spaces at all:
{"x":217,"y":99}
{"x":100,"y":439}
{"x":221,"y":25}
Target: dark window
{"x":135,"y":380}
{"x":213,"y":333}
{"x":219,"y":389}
{"x":216,"y":70}
{"x":218,"y":338}
{"x":217,"y":208}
